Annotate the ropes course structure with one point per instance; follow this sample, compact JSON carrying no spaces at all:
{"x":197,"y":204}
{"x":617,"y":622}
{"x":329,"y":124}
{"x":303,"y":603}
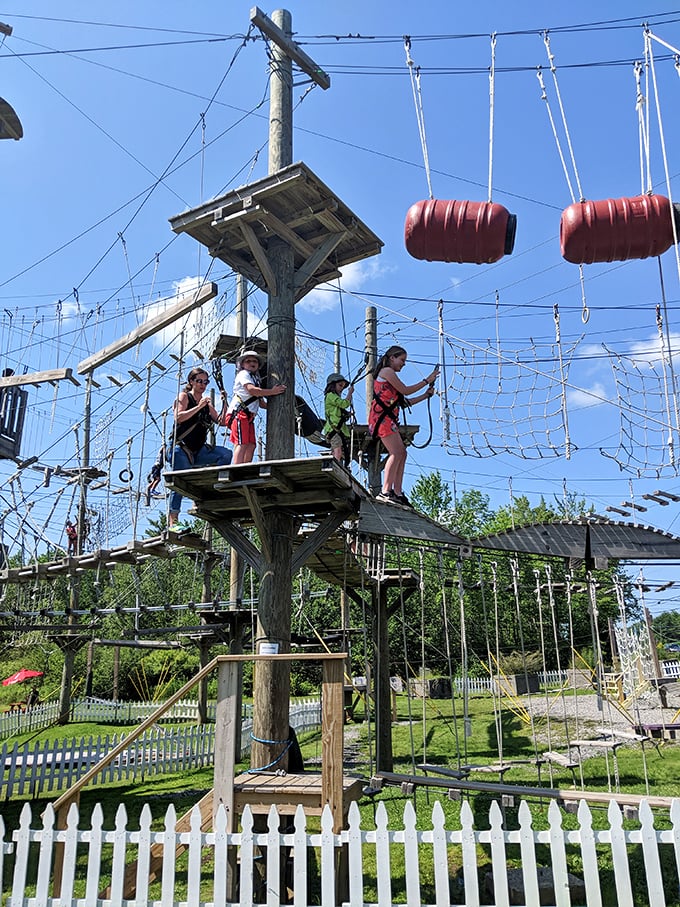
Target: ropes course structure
{"x":100,"y":422}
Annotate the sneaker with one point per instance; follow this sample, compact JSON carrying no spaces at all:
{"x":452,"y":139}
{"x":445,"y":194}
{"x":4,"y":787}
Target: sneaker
{"x":179,"y":528}
{"x":387,"y":497}
{"x":403,"y":500}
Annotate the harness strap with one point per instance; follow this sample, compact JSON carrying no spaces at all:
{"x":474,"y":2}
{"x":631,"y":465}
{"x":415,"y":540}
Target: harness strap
{"x":387,"y":412}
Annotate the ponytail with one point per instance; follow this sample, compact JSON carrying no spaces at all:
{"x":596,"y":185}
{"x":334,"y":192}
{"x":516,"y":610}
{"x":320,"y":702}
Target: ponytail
{"x":384,"y":360}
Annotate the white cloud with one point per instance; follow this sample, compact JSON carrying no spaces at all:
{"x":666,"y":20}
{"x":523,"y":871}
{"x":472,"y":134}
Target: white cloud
{"x":649,"y":351}
{"x":355,"y":276}
{"x":581,"y":398}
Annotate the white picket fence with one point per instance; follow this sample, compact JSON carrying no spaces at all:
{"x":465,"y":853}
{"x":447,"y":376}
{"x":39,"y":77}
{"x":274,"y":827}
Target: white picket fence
{"x":99,"y":711}
{"x":384,"y":866}
{"x":103,"y":711}
{"x":49,"y":767}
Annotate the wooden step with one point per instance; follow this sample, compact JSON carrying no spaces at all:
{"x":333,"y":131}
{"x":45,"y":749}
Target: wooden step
{"x":205,"y":805}
{"x":560,"y":759}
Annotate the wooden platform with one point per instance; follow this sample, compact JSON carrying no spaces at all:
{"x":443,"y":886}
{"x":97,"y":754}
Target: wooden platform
{"x":166,"y":545}
{"x":292,"y":205}
{"x":307,"y":487}
{"x":262,"y":789}
{"x":668,"y":731}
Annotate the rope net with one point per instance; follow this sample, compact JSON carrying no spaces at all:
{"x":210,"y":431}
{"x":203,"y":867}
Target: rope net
{"x":645,"y":401}
{"x":509,"y":403}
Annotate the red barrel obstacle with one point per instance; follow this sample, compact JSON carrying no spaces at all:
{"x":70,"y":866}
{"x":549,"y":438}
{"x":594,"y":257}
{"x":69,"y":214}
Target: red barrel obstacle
{"x":618,"y":229}
{"x":463,"y":232}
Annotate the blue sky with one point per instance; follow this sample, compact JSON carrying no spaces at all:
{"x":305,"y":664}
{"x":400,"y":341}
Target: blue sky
{"x":133,"y":114}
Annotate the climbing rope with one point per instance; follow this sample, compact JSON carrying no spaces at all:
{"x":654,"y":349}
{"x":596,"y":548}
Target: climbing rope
{"x":642,"y":109}
{"x":563,"y":383}
{"x":414,"y":73}
{"x":492,"y":98}
{"x":585,"y":312}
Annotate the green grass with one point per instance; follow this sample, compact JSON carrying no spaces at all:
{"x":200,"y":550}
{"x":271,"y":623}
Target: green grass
{"x":440,"y":739}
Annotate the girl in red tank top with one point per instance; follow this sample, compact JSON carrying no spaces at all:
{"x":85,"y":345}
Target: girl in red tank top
{"x":390,"y":394}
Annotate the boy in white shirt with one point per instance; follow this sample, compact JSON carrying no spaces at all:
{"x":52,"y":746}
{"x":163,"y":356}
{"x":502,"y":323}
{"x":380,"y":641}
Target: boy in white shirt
{"x":248,"y":397}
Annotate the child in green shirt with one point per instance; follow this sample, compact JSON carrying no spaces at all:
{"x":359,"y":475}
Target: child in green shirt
{"x":338,"y":409}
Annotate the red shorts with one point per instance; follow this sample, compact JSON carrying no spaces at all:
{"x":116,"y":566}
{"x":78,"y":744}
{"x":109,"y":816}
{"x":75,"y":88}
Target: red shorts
{"x":242,"y":429}
{"x":388,"y":427}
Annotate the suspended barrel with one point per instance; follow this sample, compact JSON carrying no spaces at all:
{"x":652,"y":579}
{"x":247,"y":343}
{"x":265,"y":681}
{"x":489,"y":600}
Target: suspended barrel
{"x":464,"y":232}
{"x":618,"y":229}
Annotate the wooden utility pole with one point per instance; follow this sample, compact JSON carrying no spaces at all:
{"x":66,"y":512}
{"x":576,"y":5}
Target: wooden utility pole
{"x":236,"y":565}
{"x":374,"y":477}
{"x":271,"y":691}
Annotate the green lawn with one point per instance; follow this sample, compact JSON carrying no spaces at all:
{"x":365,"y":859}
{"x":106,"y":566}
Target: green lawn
{"x":435,"y":736}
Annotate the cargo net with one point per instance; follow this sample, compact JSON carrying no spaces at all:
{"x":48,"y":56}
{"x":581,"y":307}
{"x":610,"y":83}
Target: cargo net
{"x":637,"y":664}
{"x":648,"y":416}
{"x":509,"y":402}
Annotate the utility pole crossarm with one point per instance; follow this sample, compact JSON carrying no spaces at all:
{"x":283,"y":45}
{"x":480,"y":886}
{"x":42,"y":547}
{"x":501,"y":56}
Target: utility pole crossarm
{"x":293,"y":50}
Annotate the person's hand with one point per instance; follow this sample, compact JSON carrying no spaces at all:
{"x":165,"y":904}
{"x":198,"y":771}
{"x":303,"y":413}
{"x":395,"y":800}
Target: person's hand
{"x":430,"y":392}
{"x":433,"y":377}
{"x":279,"y":388}
{"x":350,"y":391}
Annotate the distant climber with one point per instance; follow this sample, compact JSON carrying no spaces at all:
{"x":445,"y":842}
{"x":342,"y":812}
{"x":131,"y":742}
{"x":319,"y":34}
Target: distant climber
{"x":72,"y":538}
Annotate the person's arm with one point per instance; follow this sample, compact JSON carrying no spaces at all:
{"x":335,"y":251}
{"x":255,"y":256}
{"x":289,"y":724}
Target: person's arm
{"x":410,"y":401}
{"x":255,"y":391}
{"x":388,"y":374}
{"x":183,"y":413}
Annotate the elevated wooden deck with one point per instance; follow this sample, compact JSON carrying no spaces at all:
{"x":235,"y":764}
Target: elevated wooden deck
{"x":321,"y":493}
{"x":292,"y":205}
{"x":166,"y":545}
{"x":309,"y":488}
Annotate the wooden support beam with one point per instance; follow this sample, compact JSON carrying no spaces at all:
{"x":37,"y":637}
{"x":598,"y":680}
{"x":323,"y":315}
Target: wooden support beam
{"x":332,"y":717}
{"x":289,"y":47}
{"x":227,"y":726}
{"x":36,"y":378}
{"x":185,"y":304}
{"x":260,"y":525}
{"x":318,"y":257}
{"x":286,"y":232}
{"x":242,"y":544}
{"x":259,"y":255}
{"x":311,"y":544}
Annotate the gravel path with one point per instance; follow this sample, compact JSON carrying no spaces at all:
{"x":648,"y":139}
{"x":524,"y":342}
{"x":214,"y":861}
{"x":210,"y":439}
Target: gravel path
{"x":584,"y":714}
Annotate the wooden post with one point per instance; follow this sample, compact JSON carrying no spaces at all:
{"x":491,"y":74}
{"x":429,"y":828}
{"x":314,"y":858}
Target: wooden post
{"x":271,"y":687}
{"x":383,"y":706}
{"x":374,"y":477}
{"x":332,"y":739}
{"x":74,"y":595}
